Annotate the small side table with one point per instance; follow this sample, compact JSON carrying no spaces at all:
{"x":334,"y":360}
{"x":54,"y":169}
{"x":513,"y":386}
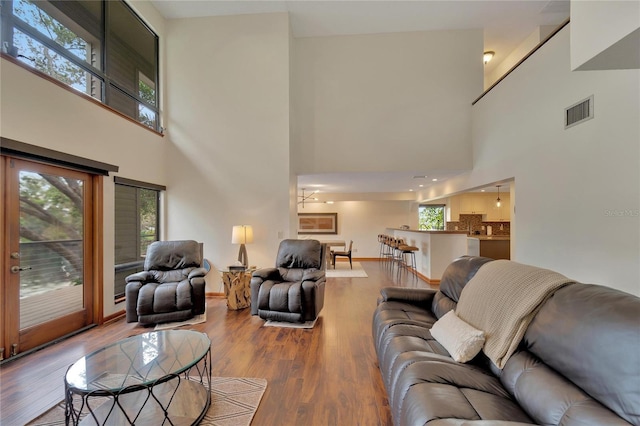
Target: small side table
{"x":237,"y":288}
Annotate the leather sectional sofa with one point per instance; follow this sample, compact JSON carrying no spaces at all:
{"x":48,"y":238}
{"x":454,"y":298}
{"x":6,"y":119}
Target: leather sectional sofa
{"x":577,"y":363}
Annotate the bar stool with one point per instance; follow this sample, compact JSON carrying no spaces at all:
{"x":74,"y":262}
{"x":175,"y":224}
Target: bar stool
{"x":397,"y":253}
{"x":381,"y":239}
{"x":389,"y":243}
{"x":411,"y":251}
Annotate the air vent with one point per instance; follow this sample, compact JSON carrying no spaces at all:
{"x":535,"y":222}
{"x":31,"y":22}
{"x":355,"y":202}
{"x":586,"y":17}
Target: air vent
{"x":579,"y":112}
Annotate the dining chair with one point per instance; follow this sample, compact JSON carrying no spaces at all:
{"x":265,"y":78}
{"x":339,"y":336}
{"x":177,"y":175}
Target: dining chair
{"x":346,"y":253}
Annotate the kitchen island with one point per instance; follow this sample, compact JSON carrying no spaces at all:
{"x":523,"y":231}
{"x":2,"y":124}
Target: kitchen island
{"x":437,"y":249}
{"x":493,"y":246}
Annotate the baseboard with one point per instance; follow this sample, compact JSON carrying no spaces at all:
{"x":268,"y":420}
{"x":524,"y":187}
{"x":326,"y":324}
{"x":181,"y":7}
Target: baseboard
{"x":113,"y":317}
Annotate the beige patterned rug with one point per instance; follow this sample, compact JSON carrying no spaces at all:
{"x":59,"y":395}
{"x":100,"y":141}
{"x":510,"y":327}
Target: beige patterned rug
{"x":343,"y":270}
{"x":198,"y":319}
{"x":234,"y":402}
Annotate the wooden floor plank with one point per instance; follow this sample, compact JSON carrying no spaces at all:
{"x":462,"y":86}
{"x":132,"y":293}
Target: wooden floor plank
{"x":327,"y":375}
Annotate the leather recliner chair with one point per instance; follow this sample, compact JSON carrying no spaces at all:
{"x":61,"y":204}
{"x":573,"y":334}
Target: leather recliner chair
{"x":293,"y":291}
{"x":172,"y":285}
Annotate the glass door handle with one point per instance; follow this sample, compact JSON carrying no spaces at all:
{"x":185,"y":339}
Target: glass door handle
{"x":16,"y":269}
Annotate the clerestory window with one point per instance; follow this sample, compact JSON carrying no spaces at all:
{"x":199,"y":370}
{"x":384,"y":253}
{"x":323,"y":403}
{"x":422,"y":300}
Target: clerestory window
{"x":100,"y":48}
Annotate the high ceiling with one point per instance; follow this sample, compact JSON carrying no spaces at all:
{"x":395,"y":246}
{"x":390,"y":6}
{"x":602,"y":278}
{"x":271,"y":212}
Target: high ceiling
{"x":506,"y":24}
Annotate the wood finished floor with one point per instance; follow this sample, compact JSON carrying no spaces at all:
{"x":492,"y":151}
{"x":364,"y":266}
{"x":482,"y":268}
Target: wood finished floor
{"x":324,"y":376}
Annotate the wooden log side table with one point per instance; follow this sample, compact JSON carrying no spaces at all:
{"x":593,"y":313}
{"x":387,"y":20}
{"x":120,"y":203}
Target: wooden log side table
{"x":237,"y":288}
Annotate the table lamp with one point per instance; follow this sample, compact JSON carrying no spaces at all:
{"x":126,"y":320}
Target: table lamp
{"x":242,"y":234}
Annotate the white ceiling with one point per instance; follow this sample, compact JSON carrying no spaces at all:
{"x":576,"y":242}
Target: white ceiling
{"x":506,"y":23}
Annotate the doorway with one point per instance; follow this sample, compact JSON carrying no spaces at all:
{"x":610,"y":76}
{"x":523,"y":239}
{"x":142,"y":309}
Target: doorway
{"x":48,"y":276}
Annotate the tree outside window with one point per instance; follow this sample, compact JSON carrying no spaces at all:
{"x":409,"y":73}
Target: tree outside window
{"x":431,"y":217}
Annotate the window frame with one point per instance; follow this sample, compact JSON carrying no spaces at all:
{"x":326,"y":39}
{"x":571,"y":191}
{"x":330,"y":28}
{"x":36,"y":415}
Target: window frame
{"x":134,"y":265}
{"x":10,"y":22}
{"x":433,"y":206}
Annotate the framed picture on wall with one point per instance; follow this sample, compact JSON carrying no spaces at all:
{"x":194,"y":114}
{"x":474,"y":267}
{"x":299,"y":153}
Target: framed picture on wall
{"x":317,"y":223}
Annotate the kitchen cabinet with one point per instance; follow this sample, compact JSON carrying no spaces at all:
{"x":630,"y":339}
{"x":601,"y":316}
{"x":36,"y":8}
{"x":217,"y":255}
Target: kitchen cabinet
{"x":473,"y":203}
{"x":495,"y":249}
{"x":499,"y":214}
{"x":454,"y":209}
{"x":480,"y":203}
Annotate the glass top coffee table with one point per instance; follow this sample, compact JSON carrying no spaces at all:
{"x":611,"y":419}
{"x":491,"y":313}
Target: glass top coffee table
{"x":154,"y":378}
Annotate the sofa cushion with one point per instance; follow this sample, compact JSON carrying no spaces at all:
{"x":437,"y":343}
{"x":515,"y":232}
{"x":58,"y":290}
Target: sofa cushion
{"x":164,"y":255}
{"x":591,"y":334}
{"x":390,"y":314}
{"x":303,"y":254}
{"x":502,"y":300}
{"x":456,"y":276}
{"x":560,"y":403}
{"x":171,"y":276}
{"x":461,"y":340}
{"x":431,"y":389}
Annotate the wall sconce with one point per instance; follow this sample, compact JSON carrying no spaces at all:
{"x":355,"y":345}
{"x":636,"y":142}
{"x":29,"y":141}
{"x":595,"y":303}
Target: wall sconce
{"x":488,"y":56}
{"x":498,"y":201}
{"x":242,"y":234}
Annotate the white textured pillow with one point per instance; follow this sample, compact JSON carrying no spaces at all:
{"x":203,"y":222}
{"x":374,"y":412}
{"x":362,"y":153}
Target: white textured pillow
{"x":460,"y":339}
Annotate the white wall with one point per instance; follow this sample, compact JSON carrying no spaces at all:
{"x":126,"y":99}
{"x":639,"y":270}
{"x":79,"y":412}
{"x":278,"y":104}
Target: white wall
{"x":517,"y":54}
{"x":228,"y":159}
{"x":37,"y":112}
{"x":578,"y":190}
{"x":362,"y":221}
{"x":601,"y":26}
{"x":385,"y":102}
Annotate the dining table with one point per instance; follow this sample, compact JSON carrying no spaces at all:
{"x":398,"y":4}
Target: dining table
{"x":333,"y":243}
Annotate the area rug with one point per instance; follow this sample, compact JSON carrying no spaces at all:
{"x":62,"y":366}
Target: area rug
{"x":195,"y":320}
{"x":284,"y":324}
{"x":234,"y":402}
{"x":344,"y":271}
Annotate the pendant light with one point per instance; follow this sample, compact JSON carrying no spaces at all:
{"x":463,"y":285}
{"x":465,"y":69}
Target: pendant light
{"x":498,"y":201}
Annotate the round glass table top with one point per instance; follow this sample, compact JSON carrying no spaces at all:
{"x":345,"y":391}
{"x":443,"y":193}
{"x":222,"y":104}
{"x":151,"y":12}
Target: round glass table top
{"x":138,"y":360}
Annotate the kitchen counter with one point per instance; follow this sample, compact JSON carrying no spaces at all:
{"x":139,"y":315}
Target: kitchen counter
{"x":436,"y":249}
{"x":427,"y":232}
{"x":491,"y":237}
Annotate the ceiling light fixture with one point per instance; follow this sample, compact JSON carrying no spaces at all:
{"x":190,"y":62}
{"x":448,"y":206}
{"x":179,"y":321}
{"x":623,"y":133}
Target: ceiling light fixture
{"x":498,"y":201}
{"x":304,"y":197}
{"x":488,"y":56}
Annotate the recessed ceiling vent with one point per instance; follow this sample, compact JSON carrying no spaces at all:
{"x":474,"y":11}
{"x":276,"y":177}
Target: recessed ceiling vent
{"x":579,"y":112}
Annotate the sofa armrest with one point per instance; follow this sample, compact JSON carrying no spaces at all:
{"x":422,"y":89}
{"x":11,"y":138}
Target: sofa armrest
{"x":414,"y":296}
{"x":267,"y":274}
{"x":138,"y":277}
{"x":313,"y":275}
{"x":198,"y":272}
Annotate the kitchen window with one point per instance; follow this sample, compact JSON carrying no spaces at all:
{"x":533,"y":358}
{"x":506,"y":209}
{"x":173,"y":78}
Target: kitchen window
{"x":431,"y":217}
{"x":100,"y":48}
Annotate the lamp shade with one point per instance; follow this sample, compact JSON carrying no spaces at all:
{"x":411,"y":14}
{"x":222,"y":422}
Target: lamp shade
{"x":242,"y":234}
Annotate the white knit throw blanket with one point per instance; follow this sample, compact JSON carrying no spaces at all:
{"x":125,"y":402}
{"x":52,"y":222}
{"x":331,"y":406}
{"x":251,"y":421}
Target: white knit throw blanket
{"x":502,"y":299}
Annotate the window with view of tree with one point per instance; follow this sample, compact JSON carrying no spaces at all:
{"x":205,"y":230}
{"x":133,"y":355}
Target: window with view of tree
{"x":100,"y":48}
{"x":137,"y":218}
{"x":431,"y":217}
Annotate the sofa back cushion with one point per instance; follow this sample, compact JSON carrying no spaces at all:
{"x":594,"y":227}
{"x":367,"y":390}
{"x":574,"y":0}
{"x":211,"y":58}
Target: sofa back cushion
{"x":302,"y":254}
{"x":454,"y":278}
{"x":591,"y":335}
{"x":549,"y":398}
{"x":166,"y":255}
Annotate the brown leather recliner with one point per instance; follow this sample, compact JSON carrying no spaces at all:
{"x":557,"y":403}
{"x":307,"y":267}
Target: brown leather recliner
{"x":293,"y":291}
{"x":172,"y":285}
